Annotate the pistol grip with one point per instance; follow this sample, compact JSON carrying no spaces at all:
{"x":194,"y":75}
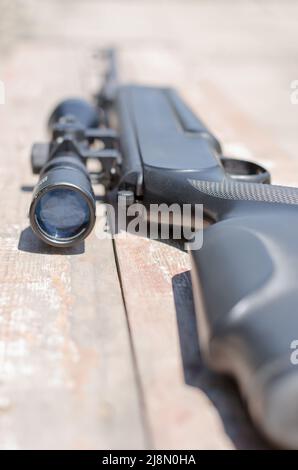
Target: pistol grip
{"x":245,"y":288}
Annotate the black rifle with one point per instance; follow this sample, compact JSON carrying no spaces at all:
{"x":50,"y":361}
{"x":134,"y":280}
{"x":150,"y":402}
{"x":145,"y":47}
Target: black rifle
{"x":244,"y":276}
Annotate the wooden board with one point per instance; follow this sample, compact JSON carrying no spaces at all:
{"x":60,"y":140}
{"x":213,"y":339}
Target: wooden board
{"x":64,"y":342}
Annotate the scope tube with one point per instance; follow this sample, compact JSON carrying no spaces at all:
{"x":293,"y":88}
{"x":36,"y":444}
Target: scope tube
{"x":62,"y":210}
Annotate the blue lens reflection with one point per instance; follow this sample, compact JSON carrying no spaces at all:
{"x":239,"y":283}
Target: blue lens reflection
{"x":62,"y":213}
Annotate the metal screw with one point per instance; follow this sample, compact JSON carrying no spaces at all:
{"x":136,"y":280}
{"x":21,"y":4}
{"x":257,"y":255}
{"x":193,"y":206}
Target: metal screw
{"x":126,"y":198}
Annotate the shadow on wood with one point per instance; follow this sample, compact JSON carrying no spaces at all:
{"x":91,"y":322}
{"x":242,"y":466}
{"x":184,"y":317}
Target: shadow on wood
{"x":221,"y":391}
{"x":29,"y":242}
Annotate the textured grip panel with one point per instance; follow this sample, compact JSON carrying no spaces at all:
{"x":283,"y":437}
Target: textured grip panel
{"x":245,"y":291}
{"x":238,"y":191}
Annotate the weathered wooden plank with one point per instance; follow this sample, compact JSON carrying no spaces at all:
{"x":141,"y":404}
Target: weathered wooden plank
{"x":66,"y":369}
{"x":187,"y":405}
{"x":178,"y":414}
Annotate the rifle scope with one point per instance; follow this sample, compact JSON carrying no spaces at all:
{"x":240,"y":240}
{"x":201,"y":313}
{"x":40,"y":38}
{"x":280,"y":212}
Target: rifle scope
{"x":62,"y":211}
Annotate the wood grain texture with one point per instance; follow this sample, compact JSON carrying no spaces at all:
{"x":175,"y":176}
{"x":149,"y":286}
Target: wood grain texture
{"x":165,"y":345}
{"x":187,"y":405}
{"x":66,"y":371}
